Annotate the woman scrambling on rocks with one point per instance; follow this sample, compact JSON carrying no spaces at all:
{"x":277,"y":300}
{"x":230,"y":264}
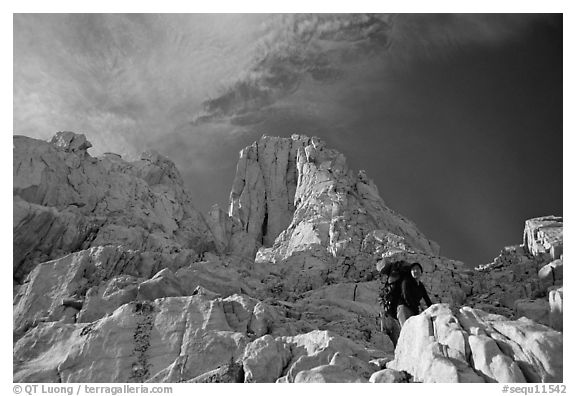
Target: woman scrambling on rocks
{"x":400,"y":295}
{"x":411,"y":294}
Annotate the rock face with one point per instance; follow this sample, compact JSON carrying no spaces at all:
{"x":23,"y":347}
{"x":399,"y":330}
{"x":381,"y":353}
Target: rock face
{"x":544,"y":235}
{"x":519,"y":284}
{"x":262,"y":195}
{"x":512,"y":276}
{"x":146,"y":341}
{"x":303,"y":357}
{"x":66,"y":201}
{"x":299,"y":188}
{"x":469,"y":345}
{"x":117,"y":278}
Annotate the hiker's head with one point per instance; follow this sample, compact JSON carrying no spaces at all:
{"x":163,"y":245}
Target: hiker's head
{"x":416,"y":270}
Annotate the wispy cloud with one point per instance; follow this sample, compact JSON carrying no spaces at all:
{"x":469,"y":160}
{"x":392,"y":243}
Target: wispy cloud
{"x":296,"y":47}
{"x":301,"y":48}
{"x":136,"y":75}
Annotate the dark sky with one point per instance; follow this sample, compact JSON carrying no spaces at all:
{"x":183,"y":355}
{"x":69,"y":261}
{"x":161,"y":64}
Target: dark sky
{"x":457,"y":118}
{"x":474,"y":143}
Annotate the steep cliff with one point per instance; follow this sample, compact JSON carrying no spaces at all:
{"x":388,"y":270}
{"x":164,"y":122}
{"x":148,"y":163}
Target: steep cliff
{"x":303,"y":192}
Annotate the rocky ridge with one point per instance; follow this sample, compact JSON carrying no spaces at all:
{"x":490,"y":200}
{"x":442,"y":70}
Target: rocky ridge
{"x":112,"y":263}
{"x":67,"y":201}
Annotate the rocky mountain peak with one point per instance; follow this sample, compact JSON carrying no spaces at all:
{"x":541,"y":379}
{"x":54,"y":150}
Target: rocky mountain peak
{"x":298,"y":184}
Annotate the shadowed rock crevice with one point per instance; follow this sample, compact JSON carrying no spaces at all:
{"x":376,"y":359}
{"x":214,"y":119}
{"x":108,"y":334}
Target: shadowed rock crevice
{"x":141,"y":365}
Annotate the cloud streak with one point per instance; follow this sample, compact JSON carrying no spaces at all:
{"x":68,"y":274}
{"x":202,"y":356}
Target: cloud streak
{"x":125,"y":80}
{"x":299,"y":48}
{"x":294,"y":48}
{"x":135,"y":76}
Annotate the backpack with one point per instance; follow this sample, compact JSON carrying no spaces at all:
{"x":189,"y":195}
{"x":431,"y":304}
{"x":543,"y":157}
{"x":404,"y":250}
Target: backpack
{"x":390,"y":290}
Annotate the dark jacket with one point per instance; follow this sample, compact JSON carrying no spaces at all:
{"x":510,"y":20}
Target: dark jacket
{"x":411,"y":293}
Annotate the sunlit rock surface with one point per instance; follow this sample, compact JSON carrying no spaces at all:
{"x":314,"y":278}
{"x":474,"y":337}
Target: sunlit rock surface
{"x":467,"y":345}
{"x":66,"y":201}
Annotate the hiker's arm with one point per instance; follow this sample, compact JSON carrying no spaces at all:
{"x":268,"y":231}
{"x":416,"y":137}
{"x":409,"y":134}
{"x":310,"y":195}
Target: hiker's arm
{"x":404,"y":292}
{"x":425,"y":296}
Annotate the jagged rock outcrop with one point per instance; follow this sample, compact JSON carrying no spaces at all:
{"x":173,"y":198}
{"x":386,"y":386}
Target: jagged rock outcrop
{"x":67,"y":201}
{"x":513,"y":275}
{"x":299,"y":188}
{"x":469,"y":345}
{"x":523,"y":281}
{"x":119,"y":279}
{"x":101,"y":279}
{"x":170,"y":339}
{"x":544,"y":235}
{"x":337,"y":209}
{"x":262,"y":195}
{"x":290,"y":359}
{"x":176,"y":339}
{"x":229,"y":235}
